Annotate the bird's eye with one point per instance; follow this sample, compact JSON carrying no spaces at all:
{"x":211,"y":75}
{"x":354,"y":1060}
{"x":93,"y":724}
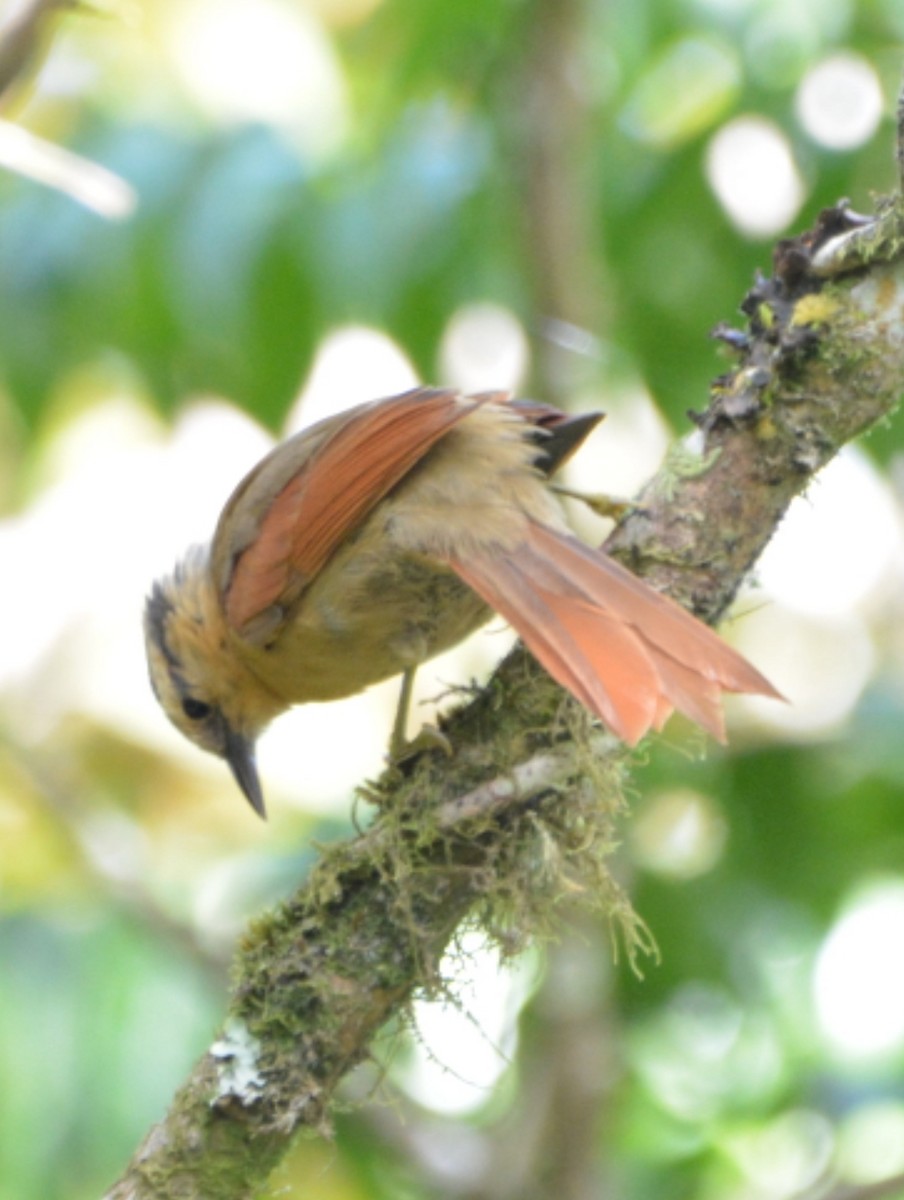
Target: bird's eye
{"x":195,"y":710}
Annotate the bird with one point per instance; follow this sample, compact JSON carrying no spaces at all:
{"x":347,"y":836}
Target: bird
{"x":377,"y":538}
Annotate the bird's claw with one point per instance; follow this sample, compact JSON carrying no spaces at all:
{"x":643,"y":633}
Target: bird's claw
{"x":428,"y":738}
{"x":616,"y":508}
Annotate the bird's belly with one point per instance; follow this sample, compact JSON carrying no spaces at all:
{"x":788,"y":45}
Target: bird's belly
{"x":363,"y":621}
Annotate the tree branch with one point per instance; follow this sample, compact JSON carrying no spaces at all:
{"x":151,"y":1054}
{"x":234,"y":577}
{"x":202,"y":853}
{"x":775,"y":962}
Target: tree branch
{"x":317,"y":978}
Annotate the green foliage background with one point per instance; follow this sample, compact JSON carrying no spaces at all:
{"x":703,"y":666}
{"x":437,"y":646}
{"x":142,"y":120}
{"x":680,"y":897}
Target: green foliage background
{"x":243,"y":254}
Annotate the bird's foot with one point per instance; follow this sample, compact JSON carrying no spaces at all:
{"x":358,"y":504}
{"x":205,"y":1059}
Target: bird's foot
{"x":427,"y":738}
{"x":614,"y":507}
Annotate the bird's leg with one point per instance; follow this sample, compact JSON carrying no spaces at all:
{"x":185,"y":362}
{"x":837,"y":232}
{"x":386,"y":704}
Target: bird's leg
{"x":604,"y":505}
{"x":397,"y":737}
{"x":428,"y":738}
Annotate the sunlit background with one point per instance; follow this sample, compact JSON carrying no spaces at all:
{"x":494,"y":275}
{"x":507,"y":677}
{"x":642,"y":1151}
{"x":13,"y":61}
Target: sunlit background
{"x":220,"y":221}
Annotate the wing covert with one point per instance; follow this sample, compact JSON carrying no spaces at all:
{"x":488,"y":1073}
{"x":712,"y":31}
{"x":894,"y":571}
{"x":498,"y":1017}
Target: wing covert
{"x":289,"y":515}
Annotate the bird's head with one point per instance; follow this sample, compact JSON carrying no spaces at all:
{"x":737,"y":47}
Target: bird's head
{"x":198,"y":677}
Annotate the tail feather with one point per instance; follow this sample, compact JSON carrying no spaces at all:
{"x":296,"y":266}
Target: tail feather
{"x":553,"y":633}
{"x":692,"y":694}
{"x":626,"y":681}
{"x":626,"y":652}
{"x":661,"y":621}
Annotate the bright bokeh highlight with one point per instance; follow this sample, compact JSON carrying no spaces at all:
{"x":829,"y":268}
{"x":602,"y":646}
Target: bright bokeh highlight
{"x":838,"y":543}
{"x":839,"y":102}
{"x":833,"y":563}
{"x":464,"y":1046}
{"x":679,"y":834}
{"x":484,"y":348}
{"x":262,"y":60}
{"x":858,"y":984}
{"x":751,"y":169}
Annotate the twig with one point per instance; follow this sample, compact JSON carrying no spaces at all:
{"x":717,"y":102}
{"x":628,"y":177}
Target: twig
{"x":530,"y":778}
{"x":24,"y":42}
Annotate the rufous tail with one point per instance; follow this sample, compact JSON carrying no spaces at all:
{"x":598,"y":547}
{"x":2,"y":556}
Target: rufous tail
{"x":629,"y":654}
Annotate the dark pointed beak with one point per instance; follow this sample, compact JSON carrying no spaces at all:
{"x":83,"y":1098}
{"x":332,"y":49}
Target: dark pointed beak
{"x":240,"y":756}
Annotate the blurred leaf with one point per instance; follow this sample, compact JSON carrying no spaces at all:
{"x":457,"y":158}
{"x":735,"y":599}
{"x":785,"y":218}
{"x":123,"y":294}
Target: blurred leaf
{"x":108,"y":1070}
{"x":683,"y":92}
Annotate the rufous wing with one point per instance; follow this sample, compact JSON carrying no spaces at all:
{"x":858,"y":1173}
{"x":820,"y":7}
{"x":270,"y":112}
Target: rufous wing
{"x":330,"y":494}
{"x":628,"y":653}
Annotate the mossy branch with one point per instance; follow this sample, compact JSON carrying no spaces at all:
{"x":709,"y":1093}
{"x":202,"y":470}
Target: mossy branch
{"x":524,"y":813}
